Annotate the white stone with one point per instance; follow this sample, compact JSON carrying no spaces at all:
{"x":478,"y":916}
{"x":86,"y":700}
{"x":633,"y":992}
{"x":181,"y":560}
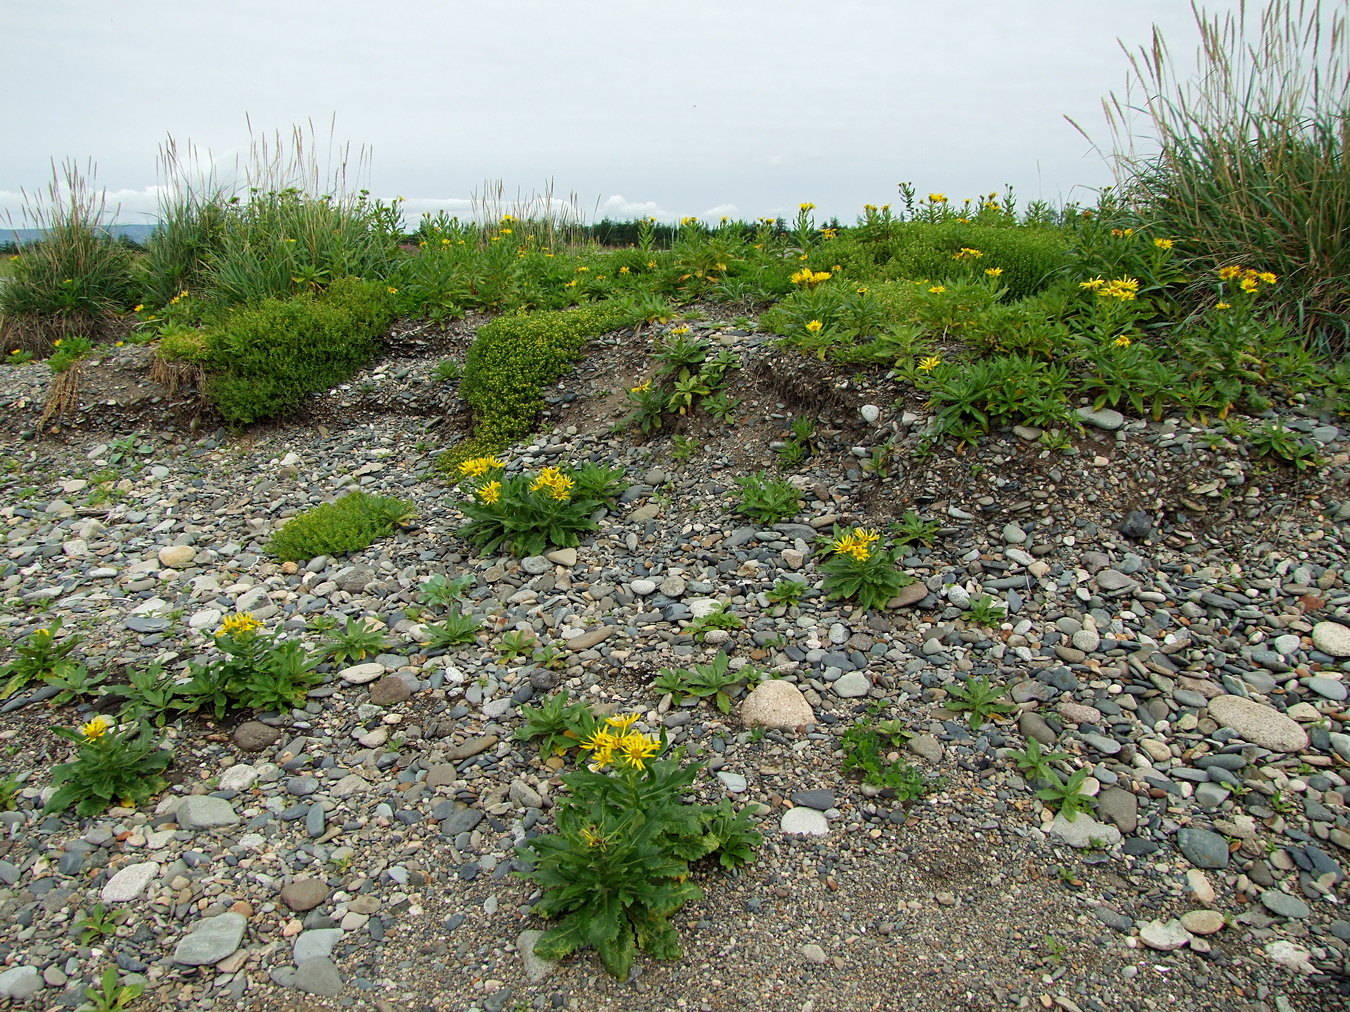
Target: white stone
{"x":1084,"y":831}
{"x":801,"y":821}
{"x":201,"y":811}
{"x":360,"y":674}
{"x":776,"y":702}
{"x":1257,"y":723}
{"x":870,"y":413}
{"x":75,"y":548}
{"x":177,"y":556}
{"x":239,"y":777}
{"x":1164,"y":935}
{"x":207,"y":618}
{"x":1291,"y":955}
{"x":562,"y":557}
{"x":851,"y":685}
{"x":129,"y":882}
{"x":19,"y":983}
{"x":1198,"y":883}
{"x":702,"y":607}
{"x":1332,"y":638}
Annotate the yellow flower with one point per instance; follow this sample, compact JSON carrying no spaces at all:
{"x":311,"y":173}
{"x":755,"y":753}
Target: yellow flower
{"x":829,"y":233}
{"x":476,"y":467}
{"x":1223,"y":305}
{"x":137,"y":308}
{"x":56,"y":343}
{"x":937,"y":198}
{"x":929,"y":363}
{"x":814,"y":326}
{"x":561,"y":487}
{"x":505,"y":231}
{"x":938,"y":289}
{"x":491,"y":493}
{"x":689,"y":221}
{"x":238,"y":624}
{"x":1163,"y":243}
{"x":806,"y":207}
{"x":857,"y":543}
{"x":636,"y":748}
{"x":641,"y":388}
{"x":993,"y":272}
{"x":1122,"y":341}
{"x":548,"y":478}
{"x":1229,"y":272}
{"x":967,"y":253}
{"x":651,"y":265}
{"x":677,"y":331}
{"x":571,"y":284}
{"x":622,"y":721}
{"x":1093,"y":283}
{"x":118,"y":344}
{"x":582,"y":270}
{"x":1120,"y":233}
{"x":96,"y":728}
{"x":1267,"y":277}
{"x":1248,"y":284}
{"x":624,"y":270}
{"x":392,"y":290}
{"x":590,"y":837}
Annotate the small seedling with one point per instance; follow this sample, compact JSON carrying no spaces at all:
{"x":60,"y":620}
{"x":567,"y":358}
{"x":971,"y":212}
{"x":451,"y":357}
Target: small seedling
{"x":767,"y":500}
{"x":703,"y":680}
{"x":558,"y":723}
{"x":447,"y":371}
{"x":515,"y":643}
{"x":357,"y":641}
{"x":1034,"y":760}
{"x":787,"y":592}
{"x":984,"y":612}
{"x":913,"y":528}
{"x":110,"y":996}
{"x":99,"y":922}
{"x":980,"y":697}
{"x":720,"y":618}
{"x":1068,"y":795}
{"x":683,"y":449}
{"x":438,"y":592}
{"x":458,"y":629}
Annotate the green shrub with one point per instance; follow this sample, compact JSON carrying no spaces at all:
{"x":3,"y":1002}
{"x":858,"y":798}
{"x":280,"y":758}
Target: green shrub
{"x":267,"y":358}
{"x":347,"y":525}
{"x":514,"y":357}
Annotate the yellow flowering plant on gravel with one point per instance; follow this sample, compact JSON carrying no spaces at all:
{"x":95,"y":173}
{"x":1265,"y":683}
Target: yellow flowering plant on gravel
{"x":528,"y":514}
{"x":113,"y":765}
{"x":616,"y":868}
{"x":257,"y":671}
{"x":859,"y":568}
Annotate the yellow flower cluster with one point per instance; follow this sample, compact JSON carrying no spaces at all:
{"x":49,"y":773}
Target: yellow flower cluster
{"x":1163,"y":243}
{"x":938,"y":289}
{"x":491,"y":493}
{"x":806,"y":207}
{"x":967,"y":254}
{"x":937,"y":198}
{"x":96,"y":728}
{"x":993,"y":272}
{"x":1248,"y":280}
{"x":476,"y":467}
{"x":1118,"y":288}
{"x":815,"y":326}
{"x":857,"y":543}
{"x":616,"y":744}
{"x":558,"y":484}
{"x":929,"y":363}
{"x":808,"y":277}
{"x":1122,"y":341}
{"x":1122,"y":233}
{"x":238,"y":624}
{"x":641,"y":388}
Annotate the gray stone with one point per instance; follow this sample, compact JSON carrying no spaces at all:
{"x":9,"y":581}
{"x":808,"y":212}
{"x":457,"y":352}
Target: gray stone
{"x":1110,"y":580}
{"x":304,"y":894}
{"x":129,"y":882}
{"x":254,"y":736}
{"x":1202,"y":922}
{"x":19,"y":983}
{"x":177,"y":556}
{"x":1084,"y":831}
{"x":1332,"y":638}
{"x":851,"y":685}
{"x":1120,"y":808}
{"x":735,"y":783}
{"x":1203,"y":848}
{"x":819,"y":799}
{"x":359,"y":674}
{"x":535,"y":565}
{"x":1107,"y":418}
{"x":317,"y":975}
{"x":211,"y":940}
{"x":925,"y":746}
{"x":1164,"y":936}
{"x":778,"y":703}
{"x":1283,"y":904}
{"x":201,"y":811}
{"x":1257,"y":723}
{"x":804,"y":822}
{"x":536,"y":969}
{"x":315,"y":943}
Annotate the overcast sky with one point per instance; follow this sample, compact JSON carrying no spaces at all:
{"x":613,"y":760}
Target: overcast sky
{"x":697,"y":107}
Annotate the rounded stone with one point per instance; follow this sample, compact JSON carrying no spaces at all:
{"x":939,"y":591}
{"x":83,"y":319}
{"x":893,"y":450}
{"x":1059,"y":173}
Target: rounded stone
{"x":1332,"y":638}
{"x":304,"y":894}
{"x":129,"y":882}
{"x":1257,"y":723}
{"x":776,"y":703}
{"x":1165,"y":936}
{"x":804,"y":822}
{"x":360,"y":674}
{"x":851,"y":685}
{"x":1202,"y":922}
{"x":389,"y":690}
{"x":254,"y":736}
{"x":177,"y":556}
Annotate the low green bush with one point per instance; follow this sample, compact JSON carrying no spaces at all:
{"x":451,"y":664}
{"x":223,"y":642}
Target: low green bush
{"x":267,"y":358}
{"x":514,"y":357}
{"x":347,"y":525}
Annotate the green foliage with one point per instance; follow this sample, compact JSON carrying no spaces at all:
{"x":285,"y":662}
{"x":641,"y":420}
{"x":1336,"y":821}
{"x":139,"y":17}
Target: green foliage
{"x":984,"y":611}
{"x":1034,"y":761}
{"x":447,"y":371}
{"x":1067,"y":796}
{"x":971,"y":398}
{"x":98,"y":923}
{"x":347,"y":525}
{"x":42,"y":656}
{"x":785,"y":591}
{"x":148,"y":695}
{"x":113,"y":765}
{"x":358,"y":640}
{"x":683,"y":448}
{"x":256,"y":672}
{"x":73,"y":683}
{"x":528,"y":515}
{"x":704,"y":681}
{"x":865,"y":745}
{"x":912,"y":528}
{"x":68,"y":351}
{"x":267,"y":358}
{"x":9,"y":790}
{"x":1272,"y":439}
{"x":515,"y":356}
{"x":767,"y":500}
{"x":598,"y":482}
{"x":616,"y":868}
{"x":457,"y":629}
{"x":515,"y":643}
{"x":558,"y":724}
{"x":439,"y":592}
{"x":111,"y":996}
{"x":980,"y":698}
{"x":719,"y":618}
{"x":860,"y":570}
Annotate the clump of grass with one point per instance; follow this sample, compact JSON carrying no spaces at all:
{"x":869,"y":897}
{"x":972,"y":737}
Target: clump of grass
{"x":1252,"y":154}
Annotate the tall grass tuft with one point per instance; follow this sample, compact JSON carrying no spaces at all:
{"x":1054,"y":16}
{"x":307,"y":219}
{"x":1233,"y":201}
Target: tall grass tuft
{"x":76,"y":279}
{"x":193,"y":214}
{"x":551,"y":220}
{"x":1253,"y":161}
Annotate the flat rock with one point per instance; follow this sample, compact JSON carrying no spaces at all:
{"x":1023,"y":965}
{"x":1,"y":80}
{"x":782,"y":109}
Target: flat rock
{"x":389,"y":690}
{"x":317,"y":975}
{"x":1332,"y":638}
{"x":1257,"y":723}
{"x":211,"y":940}
{"x":470,"y":747}
{"x":536,"y":968}
{"x":851,"y":685}
{"x":819,"y":799}
{"x":1202,"y":922}
{"x":201,"y":811}
{"x":1165,"y":936}
{"x":1106,"y":418}
{"x":304,"y":894}
{"x":1283,"y":904}
{"x":590,"y":639}
{"x":316,"y":942}
{"x":1084,"y":831}
{"x":1203,"y":848}
{"x":254,"y":736}
{"x":129,"y":882}
{"x":804,"y":822}
{"x":1120,"y":808}
{"x":360,"y":674}
{"x":908,"y":596}
{"x":19,"y":983}
{"x":776,"y":703}
{"x":177,"y":556}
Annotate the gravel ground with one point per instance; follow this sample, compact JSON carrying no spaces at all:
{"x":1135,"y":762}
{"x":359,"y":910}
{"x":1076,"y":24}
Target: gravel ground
{"x":1177,"y":618}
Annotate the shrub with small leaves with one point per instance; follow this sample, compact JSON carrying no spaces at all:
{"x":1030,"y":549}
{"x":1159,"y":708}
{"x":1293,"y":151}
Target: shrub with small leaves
{"x":347,"y":525}
{"x":768,"y":500}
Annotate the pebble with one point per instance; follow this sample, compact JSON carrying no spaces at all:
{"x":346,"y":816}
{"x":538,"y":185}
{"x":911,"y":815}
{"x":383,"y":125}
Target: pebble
{"x":210,"y":940}
{"x":1257,"y":723}
{"x":776,"y":703}
{"x":1332,"y":638}
{"x":128,"y":884}
{"x":804,"y":822}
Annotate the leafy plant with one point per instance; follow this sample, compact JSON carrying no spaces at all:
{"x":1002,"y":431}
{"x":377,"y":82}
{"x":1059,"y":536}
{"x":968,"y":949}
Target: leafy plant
{"x":147,"y":696}
{"x":1034,"y":761}
{"x":257,"y":672}
{"x":703,"y":681}
{"x":515,"y":643}
{"x":458,"y":628}
{"x":447,"y":371}
{"x":347,"y":525}
{"x":912,"y":528}
{"x":767,"y":500}
{"x":1067,"y":796}
{"x":683,"y":449}
{"x":616,"y":868}
{"x":439,"y":592}
{"x":721,"y":406}
{"x":1274,"y":440}
{"x":719,"y":618}
{"x":559,"y":724}
{"x":358,"y":640}
{"x":113,"y":765}
{"x":9,"y":790}
{"x":110,"y":996}
{"x":980,"y":698}
{"x":857,"y":570}
{"x":528,"y":515}
{"x":40,"y":656}
{"x":98,"y":923}
{"x":983,"y":611}
{"x":73,"y":683}
{"x":864,"y":745}
{"x":785,"y":591}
